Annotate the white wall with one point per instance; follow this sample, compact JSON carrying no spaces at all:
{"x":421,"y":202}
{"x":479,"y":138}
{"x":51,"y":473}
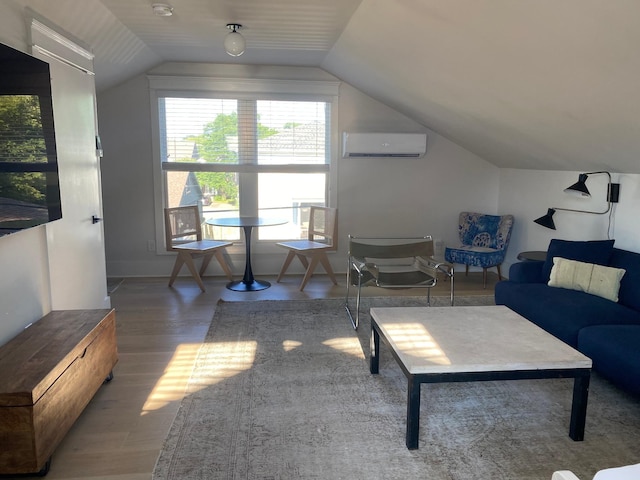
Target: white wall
{"x":528,"y":193}
{"x":24,"y":282}
{"x":26,"y":257}
{"x":374,"y":196}
{"x":127,"y":179}
{"x":404,"y":196}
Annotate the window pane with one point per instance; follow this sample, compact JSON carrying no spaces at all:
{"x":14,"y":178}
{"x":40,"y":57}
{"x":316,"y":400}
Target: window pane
{"x":216,"y":194}
{"x":285,"y":195}
{"x":213,"y":232}
{"x":292,"y":132}
{"x":200,"y":130}
{"x":214,"y":190}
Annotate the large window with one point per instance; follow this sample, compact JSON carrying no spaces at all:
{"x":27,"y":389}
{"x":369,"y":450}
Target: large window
{"x":250,"y":154}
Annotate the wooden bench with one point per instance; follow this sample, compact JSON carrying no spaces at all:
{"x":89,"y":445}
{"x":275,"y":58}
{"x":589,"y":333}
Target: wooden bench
{"x":48,"y":374}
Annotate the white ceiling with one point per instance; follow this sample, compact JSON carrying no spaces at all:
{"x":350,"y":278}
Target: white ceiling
{"x":537,"y":84}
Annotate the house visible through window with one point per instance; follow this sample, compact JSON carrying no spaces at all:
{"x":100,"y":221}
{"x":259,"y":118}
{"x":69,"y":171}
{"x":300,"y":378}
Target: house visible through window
{"x":246,"y":156}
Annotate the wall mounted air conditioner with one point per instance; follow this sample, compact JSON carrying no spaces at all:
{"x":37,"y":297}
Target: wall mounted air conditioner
{"x":407,"y":145}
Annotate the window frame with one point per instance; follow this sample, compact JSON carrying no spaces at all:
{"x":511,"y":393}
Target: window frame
{"x":242,"y":89}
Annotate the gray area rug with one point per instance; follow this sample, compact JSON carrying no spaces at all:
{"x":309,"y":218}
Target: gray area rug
{"x":282,"y":390}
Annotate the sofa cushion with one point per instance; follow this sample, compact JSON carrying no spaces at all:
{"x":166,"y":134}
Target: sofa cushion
{"x":474,"y":256}
{"x":591,"y":251}
{"x":586,"y":277}
{"x":630,"y":283}
{"x":560,"y":311}
{"x":614,"y":352}
{"x":526,"y":272}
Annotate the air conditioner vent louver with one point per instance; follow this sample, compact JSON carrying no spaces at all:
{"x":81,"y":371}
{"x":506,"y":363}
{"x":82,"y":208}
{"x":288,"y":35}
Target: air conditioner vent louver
{"x":394,"y":145}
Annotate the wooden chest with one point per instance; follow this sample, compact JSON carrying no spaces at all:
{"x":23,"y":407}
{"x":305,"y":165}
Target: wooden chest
{"x":48,"y":375}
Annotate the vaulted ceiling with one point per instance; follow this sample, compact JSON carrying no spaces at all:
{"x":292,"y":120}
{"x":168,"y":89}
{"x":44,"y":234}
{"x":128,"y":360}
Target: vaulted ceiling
{"x":544,"y":84}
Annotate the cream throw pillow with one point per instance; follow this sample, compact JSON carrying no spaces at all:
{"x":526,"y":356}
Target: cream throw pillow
{"x":586,"y":277}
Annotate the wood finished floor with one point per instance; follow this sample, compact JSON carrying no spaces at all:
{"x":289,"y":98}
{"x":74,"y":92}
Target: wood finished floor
{"x":119,"y":435}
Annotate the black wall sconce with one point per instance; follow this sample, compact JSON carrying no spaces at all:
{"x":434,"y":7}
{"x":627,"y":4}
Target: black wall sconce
{"x":580,"y":188}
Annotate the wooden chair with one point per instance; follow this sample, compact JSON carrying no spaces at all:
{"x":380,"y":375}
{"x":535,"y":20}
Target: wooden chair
{"x":183,"y":230}
{"x":393,"y":263}
{"x":322,"y":238}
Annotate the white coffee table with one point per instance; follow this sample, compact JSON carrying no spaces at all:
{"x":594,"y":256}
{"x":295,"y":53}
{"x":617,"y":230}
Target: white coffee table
{"x":468,"y":344}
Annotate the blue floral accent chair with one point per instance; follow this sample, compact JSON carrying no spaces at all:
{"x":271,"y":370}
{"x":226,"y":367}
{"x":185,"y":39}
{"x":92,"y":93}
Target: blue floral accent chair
{"x":484,"y":240}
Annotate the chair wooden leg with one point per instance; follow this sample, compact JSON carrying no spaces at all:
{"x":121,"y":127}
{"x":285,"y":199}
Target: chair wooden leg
{"x":223,"y":263}
{"x":484,"y":278}
{"x":303,"y":260}
{"x":327,"y":267}
{"x":499,"y":272}
{"x":322,"y":259}
{"x":188,"y":260}
{"x":309,"y":272}
{"x":466,"y":270}
{"x":205,"y":263}
{"x":290,"y":256}
{"x":176,"y":269}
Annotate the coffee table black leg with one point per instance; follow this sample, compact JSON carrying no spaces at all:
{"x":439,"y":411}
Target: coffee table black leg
{"x":413,"y":412}
{"x":579,"y":406}
{"x":374,"y":358}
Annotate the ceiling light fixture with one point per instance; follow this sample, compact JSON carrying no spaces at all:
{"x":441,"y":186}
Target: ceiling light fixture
{"x":162,"y":9}
{"x":234,"y":42}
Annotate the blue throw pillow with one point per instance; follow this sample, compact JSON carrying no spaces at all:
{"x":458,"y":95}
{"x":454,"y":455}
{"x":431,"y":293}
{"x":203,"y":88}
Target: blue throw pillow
{"x":591,"y":251}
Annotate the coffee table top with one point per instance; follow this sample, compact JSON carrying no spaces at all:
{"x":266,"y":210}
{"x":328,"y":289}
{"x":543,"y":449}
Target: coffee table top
{"x":471,"y":339}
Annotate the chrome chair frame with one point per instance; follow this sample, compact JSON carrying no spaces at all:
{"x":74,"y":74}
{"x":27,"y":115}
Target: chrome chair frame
{"x":373,"y":261}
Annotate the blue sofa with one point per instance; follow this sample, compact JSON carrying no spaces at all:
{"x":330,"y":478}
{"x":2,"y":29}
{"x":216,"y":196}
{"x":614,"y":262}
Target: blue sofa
{"x":606,"y":331}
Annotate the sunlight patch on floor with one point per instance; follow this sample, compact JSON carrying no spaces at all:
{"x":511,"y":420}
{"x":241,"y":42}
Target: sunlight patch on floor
{"x":415,"y":340}
{"x":172,"y":384}
{"x":224,"y":361}
{"x":289,"y":345}
{"x":219,"y":361}
{"x":349,"y":345}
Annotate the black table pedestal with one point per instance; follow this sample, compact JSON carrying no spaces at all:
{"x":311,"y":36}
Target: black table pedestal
{"x":254,"y":286}
{"x":248,"y":283}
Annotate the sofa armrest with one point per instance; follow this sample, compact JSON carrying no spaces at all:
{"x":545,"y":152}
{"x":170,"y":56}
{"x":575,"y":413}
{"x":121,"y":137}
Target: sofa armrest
{"x":529,"y":271}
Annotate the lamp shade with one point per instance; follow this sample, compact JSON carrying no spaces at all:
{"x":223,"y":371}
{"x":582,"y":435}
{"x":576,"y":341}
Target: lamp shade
{"x":580,"y":187}
{"x":547,"y":220}
{"x":234,"y":44}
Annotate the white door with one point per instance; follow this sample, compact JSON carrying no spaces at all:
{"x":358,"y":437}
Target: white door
{"x":75,"y":244}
